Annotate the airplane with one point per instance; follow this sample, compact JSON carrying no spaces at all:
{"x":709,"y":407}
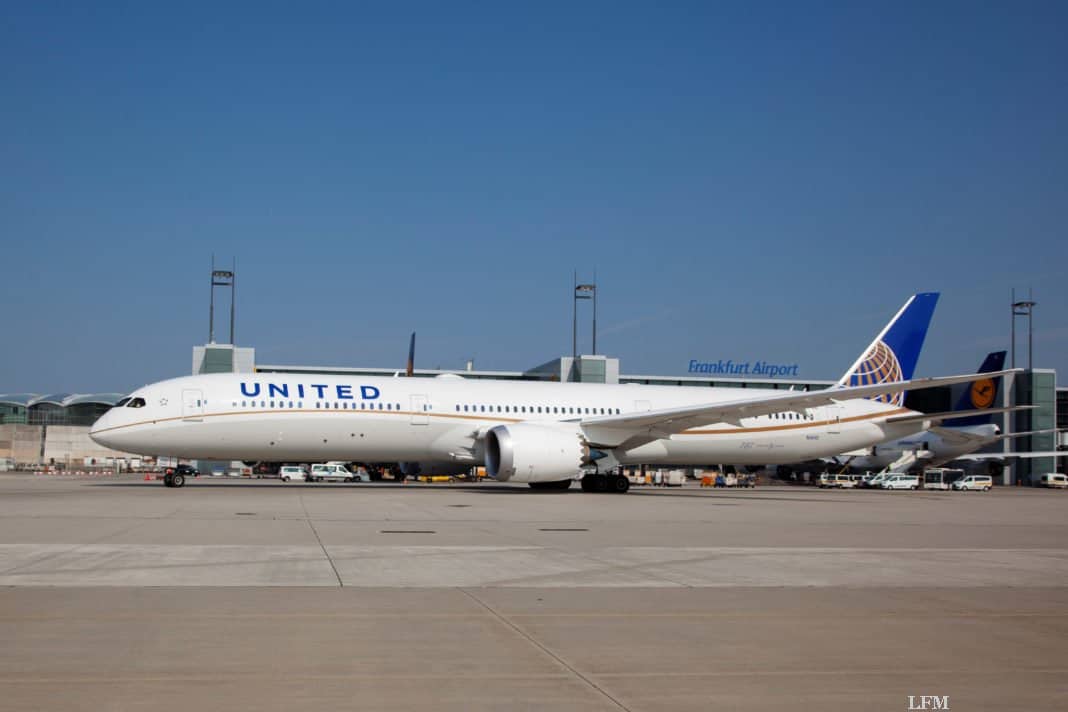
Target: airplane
{"x":954,"y":433}
{"x":545,"y":434}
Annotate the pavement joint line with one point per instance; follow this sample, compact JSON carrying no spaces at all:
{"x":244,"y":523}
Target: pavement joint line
{"x":318,"y":539}
{"x":628,"y":615}
{"x":544,"y":649}
{"x":230,"y":675}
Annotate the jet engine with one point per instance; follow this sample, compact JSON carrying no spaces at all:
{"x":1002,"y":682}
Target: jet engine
{"x":529,"y":452}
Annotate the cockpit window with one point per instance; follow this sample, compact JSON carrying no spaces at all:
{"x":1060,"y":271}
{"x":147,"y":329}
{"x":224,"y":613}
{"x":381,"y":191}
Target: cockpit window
{"x":136,"y":403}
{"x":123,"y":402}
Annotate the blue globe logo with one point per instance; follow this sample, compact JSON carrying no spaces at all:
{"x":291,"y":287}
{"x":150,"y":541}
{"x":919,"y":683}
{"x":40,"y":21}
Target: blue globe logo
{"x":880,"y":365}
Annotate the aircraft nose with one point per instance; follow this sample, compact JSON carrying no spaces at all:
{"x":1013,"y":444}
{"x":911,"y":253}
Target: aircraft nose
{"x":99,"y":433}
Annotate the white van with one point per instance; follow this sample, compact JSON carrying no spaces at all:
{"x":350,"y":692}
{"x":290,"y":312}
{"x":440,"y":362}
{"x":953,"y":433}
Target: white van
{"x":901,"y":481}
{"x":335,"y":472}
{"x":873,"y":481}
{"x":974,"y":482}
{"x":839,"y":481}
{"x":1053,"y":479}
{"x":293,"y":472}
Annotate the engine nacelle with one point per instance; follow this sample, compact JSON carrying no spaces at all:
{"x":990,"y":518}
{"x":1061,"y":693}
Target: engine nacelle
{"x":527,"y":452}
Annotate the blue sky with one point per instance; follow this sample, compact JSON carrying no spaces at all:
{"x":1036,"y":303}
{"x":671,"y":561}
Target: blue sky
{"x":748,"y":180}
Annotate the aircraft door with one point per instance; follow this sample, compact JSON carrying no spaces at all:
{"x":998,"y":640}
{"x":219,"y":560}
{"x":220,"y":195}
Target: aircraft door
{"x":834,"y":419}
{"x":641,"y":406}
{"x":192,"y":404}
{"x":420,"y":406}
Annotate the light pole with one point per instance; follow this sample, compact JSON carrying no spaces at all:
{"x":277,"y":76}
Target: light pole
{"x":1023,"y":307}
{"x":582,"y":291}
{"x":221,"y":278}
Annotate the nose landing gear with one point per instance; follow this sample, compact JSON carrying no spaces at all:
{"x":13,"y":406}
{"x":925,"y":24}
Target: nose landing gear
{"x":175,"y":479}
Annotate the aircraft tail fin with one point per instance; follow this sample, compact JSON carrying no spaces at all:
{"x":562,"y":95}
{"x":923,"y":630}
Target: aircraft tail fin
{"x":892,"y":356}
{"x":980,"y":394}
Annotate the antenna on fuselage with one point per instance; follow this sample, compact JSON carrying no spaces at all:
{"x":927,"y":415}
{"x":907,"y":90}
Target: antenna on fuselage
{"x":411,"y":357}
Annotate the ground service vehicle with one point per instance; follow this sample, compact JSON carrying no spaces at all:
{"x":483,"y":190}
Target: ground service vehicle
{"x":896,"y":481}
{"x":873,"y":481}
{"x":335,"y":472}
{"x":974,"y":482}
{"x":1053,"y":479}
{"x":292,"y":472}
{"x":940,"y":478}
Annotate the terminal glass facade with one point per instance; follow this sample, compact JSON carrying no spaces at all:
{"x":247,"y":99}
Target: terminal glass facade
{"x":1037,"y":388}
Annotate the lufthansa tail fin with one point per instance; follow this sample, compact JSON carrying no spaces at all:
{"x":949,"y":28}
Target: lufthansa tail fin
{"x":895,"y":351}
{"x":981,"y":394}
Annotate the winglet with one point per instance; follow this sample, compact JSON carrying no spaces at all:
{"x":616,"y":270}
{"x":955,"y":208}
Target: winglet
{"x":892,"y":356}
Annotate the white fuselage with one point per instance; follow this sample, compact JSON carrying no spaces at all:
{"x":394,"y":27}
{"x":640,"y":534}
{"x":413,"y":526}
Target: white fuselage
{"x":927,"y":445}
{"x":307,"y":418}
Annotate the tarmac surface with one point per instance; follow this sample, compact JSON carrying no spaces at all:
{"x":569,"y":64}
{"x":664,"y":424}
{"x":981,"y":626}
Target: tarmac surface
{"x":119,"y":594}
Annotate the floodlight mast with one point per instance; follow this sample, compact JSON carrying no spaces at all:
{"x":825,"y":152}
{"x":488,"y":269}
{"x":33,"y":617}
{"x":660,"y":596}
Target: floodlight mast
{"x":222,"y":278}
{"x":1023,"y":307}
{"x":582,"y":291}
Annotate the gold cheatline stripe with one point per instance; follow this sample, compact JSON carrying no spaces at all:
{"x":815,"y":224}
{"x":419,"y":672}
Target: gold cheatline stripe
{"x":735,"y":431}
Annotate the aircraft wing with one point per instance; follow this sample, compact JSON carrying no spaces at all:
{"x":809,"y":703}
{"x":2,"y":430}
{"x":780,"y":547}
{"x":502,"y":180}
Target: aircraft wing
{"x":1006,"y":455}
{"x":960,"y":437}
{"x":637,"y":428}
{"x":951,"y":414}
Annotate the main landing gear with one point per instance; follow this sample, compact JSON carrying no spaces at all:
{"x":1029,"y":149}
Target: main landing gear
{"x":599,"y":482}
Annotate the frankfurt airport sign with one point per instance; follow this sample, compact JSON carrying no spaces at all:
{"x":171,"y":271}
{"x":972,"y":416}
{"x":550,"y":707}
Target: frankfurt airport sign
{"x":744,"y":368}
